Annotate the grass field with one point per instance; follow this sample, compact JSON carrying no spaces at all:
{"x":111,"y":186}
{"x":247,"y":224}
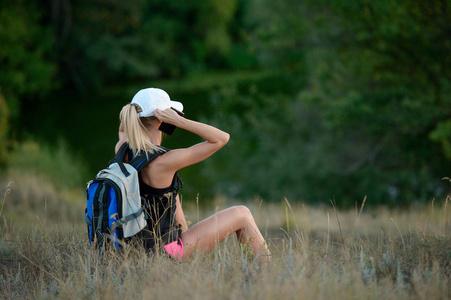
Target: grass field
{"x":318,"y":253}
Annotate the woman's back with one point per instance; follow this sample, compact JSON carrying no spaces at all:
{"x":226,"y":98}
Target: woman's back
{"x":160,"y":205}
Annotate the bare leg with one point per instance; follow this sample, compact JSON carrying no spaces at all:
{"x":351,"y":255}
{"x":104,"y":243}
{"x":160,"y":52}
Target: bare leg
{"x":237,"y":219}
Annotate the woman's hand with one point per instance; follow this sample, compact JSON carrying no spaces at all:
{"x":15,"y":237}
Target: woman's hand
{"x":168,"y":116}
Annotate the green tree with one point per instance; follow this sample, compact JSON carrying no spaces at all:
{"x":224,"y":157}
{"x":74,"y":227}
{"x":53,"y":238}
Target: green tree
{"x":102,"y":42}
{"x":4,"y":122}
{"x":372,"y":96}
{"x":25,"y":54}
{"x":26,"y":67}
{"x":384,"y":82}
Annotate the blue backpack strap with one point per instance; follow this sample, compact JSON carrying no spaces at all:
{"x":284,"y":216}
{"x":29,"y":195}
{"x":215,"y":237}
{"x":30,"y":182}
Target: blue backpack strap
{"x":144,"y":158}
{"x":130,"y":154}
{"x":119,"y":158}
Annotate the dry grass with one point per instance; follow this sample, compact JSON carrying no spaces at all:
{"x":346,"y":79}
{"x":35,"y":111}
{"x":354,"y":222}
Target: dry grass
{"x":379,"y":253}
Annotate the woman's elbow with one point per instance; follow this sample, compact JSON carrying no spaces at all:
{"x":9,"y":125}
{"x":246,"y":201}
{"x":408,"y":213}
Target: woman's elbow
{"x":221,"y":141}
{"x":225,"y":138}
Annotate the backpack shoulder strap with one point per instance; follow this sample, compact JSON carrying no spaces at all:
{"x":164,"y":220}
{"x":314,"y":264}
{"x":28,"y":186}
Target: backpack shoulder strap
{"x":119,"y":158}
{"x":144,"y":158}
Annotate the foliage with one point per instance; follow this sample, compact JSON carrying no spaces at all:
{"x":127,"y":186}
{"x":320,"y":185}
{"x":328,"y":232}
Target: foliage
{"x":384,"y":82}
{"x":26,"y":69}
{"x":25,"y":53}
{"x":4,"y":117}
{"x":357,"y":103}
{"x":100,"y":41}
{"x":56,"y":164}
{"x":44,"y":184}
{"x":373,"y":93}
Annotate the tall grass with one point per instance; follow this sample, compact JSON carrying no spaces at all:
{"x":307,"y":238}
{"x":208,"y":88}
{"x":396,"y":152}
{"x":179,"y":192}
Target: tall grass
{"x":45,"y":184}
{"x":377,"y":259}
{"x":56,"y":163}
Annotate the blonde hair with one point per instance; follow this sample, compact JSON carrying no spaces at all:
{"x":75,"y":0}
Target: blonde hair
{"x":135,"y":129}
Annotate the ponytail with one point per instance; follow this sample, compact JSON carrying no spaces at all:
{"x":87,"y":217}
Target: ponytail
{"x":135,"y":131}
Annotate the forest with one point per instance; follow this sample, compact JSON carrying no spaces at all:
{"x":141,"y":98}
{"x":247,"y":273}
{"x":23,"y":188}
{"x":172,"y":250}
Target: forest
{"x":323,"y":99}
{"x":339,"y":114}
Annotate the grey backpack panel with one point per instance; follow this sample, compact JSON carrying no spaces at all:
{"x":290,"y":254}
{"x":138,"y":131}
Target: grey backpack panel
{"x":134,"y":218}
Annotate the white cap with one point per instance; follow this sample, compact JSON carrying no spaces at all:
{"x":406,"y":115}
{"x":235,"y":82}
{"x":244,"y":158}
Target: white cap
{"x":152,"y":98}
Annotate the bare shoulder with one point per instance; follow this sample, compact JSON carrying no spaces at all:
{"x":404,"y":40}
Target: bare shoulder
{"x":157,"y":173}
{"x":118,"y":145}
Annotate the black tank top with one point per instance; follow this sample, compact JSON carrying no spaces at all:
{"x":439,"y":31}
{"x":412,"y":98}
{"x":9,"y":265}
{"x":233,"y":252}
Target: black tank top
{"x":159,"y":206}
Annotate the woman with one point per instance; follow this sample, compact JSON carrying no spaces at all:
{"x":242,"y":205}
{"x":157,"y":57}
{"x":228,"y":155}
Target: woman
{"x":159,"y":181}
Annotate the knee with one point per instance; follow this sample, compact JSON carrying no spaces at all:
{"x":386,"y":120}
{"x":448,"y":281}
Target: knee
{"x":242,"y":212}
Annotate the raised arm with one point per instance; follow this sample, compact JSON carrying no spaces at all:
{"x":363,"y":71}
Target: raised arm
{"x":177,"y":159}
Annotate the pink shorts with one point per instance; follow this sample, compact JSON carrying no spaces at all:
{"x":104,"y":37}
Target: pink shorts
{"x":175,"y":249}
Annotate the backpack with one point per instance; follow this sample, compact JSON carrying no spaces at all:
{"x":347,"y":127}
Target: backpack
{"x":114,"y":211}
